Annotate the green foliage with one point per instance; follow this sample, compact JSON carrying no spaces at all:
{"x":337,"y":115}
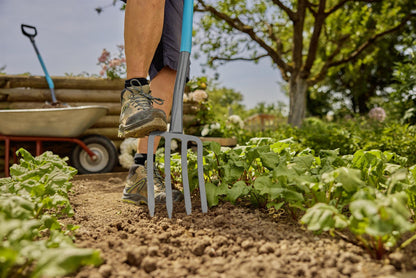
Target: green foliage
{"x":348,"y":136}
{"x":402,"y":101}
{"x":34,"y":243}
{"x":356,"y":40}
{"x":372,"y":194}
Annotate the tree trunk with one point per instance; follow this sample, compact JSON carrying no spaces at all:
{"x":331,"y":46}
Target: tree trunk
{"x":297,"y":108}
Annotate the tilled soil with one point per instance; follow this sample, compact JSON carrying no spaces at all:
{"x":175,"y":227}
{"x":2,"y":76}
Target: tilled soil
{"x":228,"y":241}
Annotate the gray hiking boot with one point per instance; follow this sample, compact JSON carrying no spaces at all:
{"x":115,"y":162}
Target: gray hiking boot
{"x":138,"y":118}
{"x":135,"y":189}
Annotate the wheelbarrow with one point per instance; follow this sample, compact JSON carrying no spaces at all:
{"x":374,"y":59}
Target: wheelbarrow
{"x":92,"y":154}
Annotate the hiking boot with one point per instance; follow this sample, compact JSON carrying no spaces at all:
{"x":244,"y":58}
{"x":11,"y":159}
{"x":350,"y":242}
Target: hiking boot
{"x":135,"y":190}
{"x":138,"y":118}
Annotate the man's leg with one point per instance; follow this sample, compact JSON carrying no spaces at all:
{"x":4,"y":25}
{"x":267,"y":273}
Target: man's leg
{"x":162,"y":87}
{"x":143,"y":26}
{"x":163,"y":80}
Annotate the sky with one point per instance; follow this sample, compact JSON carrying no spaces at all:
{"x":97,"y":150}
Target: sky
{"x":71,"y":36}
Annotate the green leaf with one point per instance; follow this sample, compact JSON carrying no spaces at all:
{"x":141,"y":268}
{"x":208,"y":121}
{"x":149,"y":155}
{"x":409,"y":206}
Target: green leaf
{"x":269,"y":160}
{"x":238,"y":190}
{"x":324,"y":217}
{"x":350,"y":179}
{"x":212,"y":196}
{"x":213,"y":192}
{"x":275,"y":205}
{"x":302,"y":164}
{"x":62,"y":261}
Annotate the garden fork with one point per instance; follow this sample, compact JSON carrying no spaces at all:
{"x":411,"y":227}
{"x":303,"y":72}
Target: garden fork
{"x":176,"y":130}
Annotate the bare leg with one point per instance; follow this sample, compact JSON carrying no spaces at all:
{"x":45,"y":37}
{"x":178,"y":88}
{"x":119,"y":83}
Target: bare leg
{"x":143,"y":25}
{"x":162,"y":87}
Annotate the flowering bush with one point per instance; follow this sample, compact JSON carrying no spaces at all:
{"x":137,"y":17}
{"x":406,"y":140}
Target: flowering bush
{"x":235,"y":121}
{"x":196,"y":96}
{"x":377,"y":114}
{"x":112,"y":66}
{"x":128,"y":149}
{"x":232,"y":127}
{"x":213,"y":130}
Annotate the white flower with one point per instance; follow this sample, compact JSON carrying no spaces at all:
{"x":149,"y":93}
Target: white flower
{"x":377,"y":114}
{"x":173,"y":145}
{"x":126,"y":160}
{"x":235,"y":119}
{"x":127,"y":149}
{"x":215,"y":126}
{"x":205,"y":131}
{"x":198,"y":95}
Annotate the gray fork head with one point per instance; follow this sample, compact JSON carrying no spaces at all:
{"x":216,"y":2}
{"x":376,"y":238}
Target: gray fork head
{"x":184,"y":163}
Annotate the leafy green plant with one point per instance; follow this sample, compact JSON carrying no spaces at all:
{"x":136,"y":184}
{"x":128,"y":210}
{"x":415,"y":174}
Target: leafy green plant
{"x":34,"y":243}
{"x":369,"y":193}
{"x":378,"y":210}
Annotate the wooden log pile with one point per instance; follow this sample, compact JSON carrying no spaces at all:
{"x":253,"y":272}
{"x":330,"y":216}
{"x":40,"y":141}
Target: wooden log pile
{"x":29,"y":92}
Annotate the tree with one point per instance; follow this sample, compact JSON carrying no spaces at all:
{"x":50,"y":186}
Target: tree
{"x":303,"y":38}
{"x":369,"y":79}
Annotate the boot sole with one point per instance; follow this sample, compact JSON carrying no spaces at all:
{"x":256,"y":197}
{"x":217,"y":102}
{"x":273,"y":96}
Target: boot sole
{"x":156,"y":124}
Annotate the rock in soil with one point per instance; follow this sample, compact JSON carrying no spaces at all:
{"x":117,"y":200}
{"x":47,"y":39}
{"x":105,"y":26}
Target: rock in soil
{"x":227,"y":241}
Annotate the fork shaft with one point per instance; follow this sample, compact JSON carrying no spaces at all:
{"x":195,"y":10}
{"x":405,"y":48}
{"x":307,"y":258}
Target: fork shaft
{"x":176,"y":122}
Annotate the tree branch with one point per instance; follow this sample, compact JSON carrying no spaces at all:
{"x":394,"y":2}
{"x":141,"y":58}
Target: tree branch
{"x":216,"y":58}
{"x":321,"y":75}
{"x":240,"y":26}
{"x":371,"y":41}
{"x":336,"y":7}
{"x":298,"y":29}
{"x":330,"y":63}
{"x":286,"y":9}
{"x":342,"y":2}
{"x":314,"y":42}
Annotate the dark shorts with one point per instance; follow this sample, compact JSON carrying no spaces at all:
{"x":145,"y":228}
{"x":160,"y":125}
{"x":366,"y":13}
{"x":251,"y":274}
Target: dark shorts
{"x":167,"y":52}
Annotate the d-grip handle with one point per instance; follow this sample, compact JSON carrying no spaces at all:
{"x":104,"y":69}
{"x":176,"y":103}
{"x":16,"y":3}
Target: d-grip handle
{"x":29,"y":31}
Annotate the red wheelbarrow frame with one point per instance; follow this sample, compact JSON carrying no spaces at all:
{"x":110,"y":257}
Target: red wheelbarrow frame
{"x":10,"y":138}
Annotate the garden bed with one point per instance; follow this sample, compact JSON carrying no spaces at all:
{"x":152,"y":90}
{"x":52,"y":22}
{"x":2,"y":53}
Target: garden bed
{"x":228,"y":241}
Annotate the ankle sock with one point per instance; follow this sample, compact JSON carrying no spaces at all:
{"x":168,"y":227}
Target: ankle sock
{"x":136,"y":82}
{"x":140,"y":158}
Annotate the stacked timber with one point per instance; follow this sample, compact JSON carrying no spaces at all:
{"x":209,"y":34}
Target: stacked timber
{"x":30,"y":92}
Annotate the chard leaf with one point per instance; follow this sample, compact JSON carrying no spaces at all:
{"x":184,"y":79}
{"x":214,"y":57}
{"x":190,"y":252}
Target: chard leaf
{"x":238,"y":190}
{"x":62,"y":261}
{"x":302,"y":164}
{"x":269,"y":160}
{"x":213,"y":192}
{"x":324,"y":217}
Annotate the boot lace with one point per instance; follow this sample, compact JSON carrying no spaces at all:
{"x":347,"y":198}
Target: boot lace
{"x":140,"y":99}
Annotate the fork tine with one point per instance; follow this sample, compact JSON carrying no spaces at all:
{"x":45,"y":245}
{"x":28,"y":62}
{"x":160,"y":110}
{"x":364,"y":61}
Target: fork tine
{"x":200,"y":165}
{"x":168,"y":186}
{"x":150,"y":183}
{"x":185,"y":180}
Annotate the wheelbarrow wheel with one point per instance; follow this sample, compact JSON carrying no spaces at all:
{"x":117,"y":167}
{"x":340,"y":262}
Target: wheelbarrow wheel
{"x":105,"y":151}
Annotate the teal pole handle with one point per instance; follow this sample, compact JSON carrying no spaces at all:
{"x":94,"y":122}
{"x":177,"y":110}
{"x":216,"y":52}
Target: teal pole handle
{"x":186,"y":37}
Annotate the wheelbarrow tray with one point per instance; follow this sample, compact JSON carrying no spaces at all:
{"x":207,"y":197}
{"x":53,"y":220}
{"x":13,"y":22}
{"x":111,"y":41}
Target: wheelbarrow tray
{"x":54,"y":122}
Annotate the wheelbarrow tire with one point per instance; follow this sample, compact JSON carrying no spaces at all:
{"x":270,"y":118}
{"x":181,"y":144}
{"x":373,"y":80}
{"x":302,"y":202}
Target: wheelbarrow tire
{"x":104,"y":149}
